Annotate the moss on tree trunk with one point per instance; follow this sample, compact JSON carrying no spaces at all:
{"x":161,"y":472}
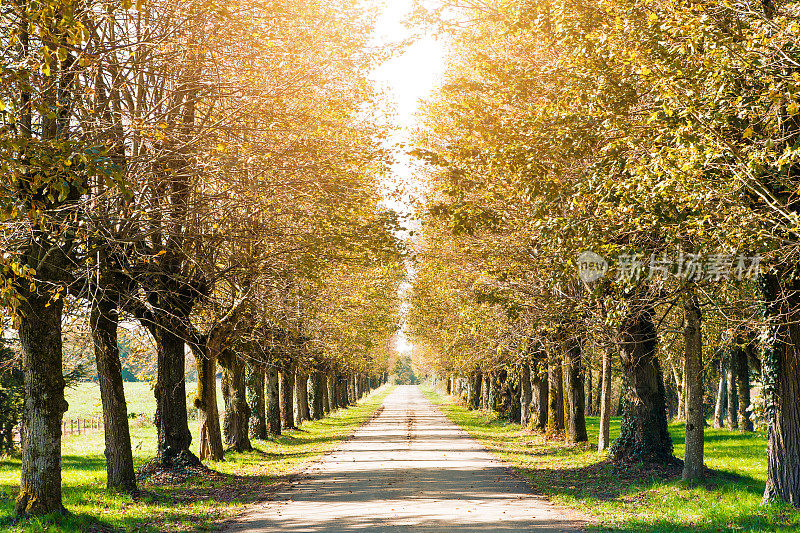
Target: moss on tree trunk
{"x":573,"y":377}
{"x":643,"y":430}
{"x":44,"y":406}
{"x":271,"y":383}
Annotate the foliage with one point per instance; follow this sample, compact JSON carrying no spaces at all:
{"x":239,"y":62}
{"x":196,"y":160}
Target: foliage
{"x":404,"y":372}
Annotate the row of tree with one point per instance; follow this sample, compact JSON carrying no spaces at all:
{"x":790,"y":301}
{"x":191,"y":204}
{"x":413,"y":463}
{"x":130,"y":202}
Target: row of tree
{"x":662,"y":137}
{"x":206,"y":170}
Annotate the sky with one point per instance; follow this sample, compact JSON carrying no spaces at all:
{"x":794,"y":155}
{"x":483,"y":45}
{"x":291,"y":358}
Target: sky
{"x":408,"y":78}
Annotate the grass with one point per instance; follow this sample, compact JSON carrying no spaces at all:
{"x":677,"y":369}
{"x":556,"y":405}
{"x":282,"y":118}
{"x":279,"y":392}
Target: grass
{"x":197,"y":505}
{"x":580,"y":478}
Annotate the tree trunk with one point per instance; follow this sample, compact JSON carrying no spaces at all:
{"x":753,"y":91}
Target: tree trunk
{"x":171,"y":418}
{"x":693,"y":382}
{"x":679,"y":388}
{"x":119,"y":456}
{"x":237,"y":412}
{"x":589,"y":392}
{"x":317,"y":401}
{"x":493,"y":390}
{"x":598,"y":391}
{"x":330,"y":393}
{"x":722,"y":393}
{"x":525,"y":396}
{"x":733,"y":394}
{"x":540,"y":392}
{"x":43,"y":408}
{"x":605,"y":401}
{"x":485,"y":387}
{"x":743,"y":384}
{"x":273,"y":401}
{"x":287,"y":392}
{"x":343,"y":391}
{"x":301,"y":398}
{"x":781,"y":375}
{"x":475,"y":390}
{"x":256,"y":373}
{"x":643,"y":430}
{"x":555,"y":403}
{"x":206,"y":400}
{"x":573,"y":376}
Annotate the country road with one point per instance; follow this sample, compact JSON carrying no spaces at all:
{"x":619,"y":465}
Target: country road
{"x":408,"y":469}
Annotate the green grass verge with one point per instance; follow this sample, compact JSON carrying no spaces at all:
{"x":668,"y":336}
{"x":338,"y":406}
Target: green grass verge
{"x":197,"y":505}
{"x":580,"y":478}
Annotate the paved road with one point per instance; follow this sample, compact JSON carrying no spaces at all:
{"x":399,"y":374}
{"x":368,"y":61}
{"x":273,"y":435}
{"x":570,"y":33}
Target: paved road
{"x":408,"y":469}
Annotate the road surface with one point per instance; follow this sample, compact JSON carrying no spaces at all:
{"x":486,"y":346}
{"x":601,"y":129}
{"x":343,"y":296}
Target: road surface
{"x":408,"y":469}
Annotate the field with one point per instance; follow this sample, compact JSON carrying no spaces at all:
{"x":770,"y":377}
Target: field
{"x":195,"y":505}
{"x":581,"y":478}
{"x":84,"y":400}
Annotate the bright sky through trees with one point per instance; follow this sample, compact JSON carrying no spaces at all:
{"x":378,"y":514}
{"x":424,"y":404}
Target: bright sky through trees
{"x":407,"y":78}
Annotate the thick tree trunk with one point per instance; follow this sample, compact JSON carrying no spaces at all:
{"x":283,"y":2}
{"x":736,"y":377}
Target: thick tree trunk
{"x":206,"y":401}
{"x":693,"y":381}
{"x":119,"y":456}
{"x":359,"y":381}
{"x":643,"y":430}
{"x":237,"y":413}
{"x":287,"y":393}
{"x":605,"y":401}
{"x":256,"y":373}
{"x":330,"y":387}
{"x":743,"y":385}
{"x":781,"y":376}
{"x":573,"y":376}
{"x":273,"y":400}
{"x":44,"y":406}
{"x":301,"y":411}
{"x":317,"y":400}
{"x":555,"y":398}
{"x":171,"y":418}
{"x":539,"y":394}
{"x":476,"y":382}
{"x":525,"y":396}
{"x":343,"y":391}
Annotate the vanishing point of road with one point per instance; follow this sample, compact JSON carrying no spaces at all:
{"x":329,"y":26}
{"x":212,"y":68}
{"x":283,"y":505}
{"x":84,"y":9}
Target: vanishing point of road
{"x":408,"y":469}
